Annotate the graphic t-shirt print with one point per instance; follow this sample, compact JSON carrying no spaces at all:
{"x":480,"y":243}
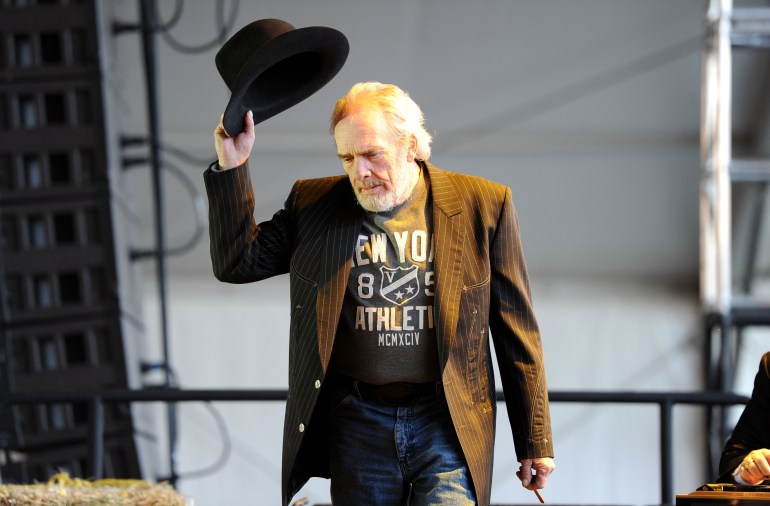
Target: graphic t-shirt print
{"x":394,"y":296}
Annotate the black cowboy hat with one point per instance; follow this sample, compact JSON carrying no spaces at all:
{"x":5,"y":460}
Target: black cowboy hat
{"x":270,"y":66}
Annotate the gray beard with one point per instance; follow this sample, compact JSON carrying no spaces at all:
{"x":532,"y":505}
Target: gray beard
{"x":377,"y":204}
{"x":384,"y":203}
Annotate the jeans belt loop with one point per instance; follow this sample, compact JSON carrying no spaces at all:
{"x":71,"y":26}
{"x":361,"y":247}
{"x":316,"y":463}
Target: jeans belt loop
{"x":356,"y":389}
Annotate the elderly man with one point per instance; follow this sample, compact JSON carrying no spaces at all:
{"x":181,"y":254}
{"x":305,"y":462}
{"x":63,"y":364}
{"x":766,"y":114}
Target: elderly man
{"x":398,"y":272}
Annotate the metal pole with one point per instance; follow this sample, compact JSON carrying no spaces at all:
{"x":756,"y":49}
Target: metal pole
{"x":715,"y":190}
{"x":708,"y":286}
{"x":666,"y":458}
{"x":716,"y":97}
{"x":149,"y":24}
{"x":722,"y":157}
{"x":96,"y":438}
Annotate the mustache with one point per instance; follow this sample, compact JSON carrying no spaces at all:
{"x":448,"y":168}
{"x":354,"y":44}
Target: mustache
{"x":368,"y":183}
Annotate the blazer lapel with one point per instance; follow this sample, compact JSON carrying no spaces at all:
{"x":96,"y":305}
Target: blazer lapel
{"x":336,"y":264}
{"x":448,"y":236}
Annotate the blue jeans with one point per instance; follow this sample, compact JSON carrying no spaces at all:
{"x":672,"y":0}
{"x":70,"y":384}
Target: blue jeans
{"x":396,"y":455}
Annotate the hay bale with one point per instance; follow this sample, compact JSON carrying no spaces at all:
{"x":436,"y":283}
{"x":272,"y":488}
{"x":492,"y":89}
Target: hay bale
{"x":61,"y":490}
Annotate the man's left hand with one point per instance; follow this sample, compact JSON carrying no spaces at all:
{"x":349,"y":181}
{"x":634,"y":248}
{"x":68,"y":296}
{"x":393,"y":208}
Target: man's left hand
{"x":533,"y":473}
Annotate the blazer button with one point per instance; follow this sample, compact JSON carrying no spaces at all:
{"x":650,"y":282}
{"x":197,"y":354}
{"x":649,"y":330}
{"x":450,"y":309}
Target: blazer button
{"x":302,"y":427}
{"x":317,"y":384}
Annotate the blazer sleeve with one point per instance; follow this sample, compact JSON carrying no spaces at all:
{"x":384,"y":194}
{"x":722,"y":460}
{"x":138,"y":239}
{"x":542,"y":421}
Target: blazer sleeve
{"x":517,"y":341}
{"x":753,"y":428}
{"x":242,"y":250}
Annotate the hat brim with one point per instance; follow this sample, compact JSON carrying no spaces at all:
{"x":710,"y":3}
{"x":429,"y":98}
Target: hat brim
{"x":283,"y":72}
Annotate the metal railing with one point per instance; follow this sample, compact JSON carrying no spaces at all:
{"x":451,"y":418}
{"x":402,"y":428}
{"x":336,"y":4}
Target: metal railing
{"x":98,"y":398}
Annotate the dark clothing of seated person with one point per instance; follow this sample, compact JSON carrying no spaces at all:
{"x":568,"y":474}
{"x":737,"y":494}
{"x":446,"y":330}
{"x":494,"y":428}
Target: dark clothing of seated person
{"x":746,"y":457}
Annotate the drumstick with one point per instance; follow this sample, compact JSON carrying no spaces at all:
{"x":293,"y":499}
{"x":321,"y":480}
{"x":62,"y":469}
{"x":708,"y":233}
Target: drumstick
{"x":539,"y":498}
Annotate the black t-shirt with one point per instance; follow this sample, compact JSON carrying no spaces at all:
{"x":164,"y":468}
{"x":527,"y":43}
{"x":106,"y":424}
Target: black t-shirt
{"x":386,"y":332}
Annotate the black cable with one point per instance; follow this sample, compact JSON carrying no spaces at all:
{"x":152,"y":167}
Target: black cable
{"x":196,"y":197}
{"x":570,"y":93}
{"x":122,"y":205}
{"x":172,"y":150}
{"x":200,"y":211}
{"x":224,"y":456}
{"x":175,"y":17}
{"x":224,"y":27}
{"x":200,"y":217}
{"x":146,"y":435}
{"x":128,"y":141}
{"x":136,"y":322}
{"x":224,"y":433}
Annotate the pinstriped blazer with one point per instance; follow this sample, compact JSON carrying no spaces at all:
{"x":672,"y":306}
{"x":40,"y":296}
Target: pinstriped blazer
{"x":481,"y":285}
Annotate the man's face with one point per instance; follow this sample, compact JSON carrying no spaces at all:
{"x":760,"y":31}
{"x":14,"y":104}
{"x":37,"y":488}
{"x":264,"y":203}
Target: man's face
{"x":381,"y":169}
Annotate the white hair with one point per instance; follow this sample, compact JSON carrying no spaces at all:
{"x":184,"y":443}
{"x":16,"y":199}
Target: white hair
{"x":402,"y":115}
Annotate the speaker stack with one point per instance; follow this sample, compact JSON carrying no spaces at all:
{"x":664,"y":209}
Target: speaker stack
{"x":60,"y":316}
